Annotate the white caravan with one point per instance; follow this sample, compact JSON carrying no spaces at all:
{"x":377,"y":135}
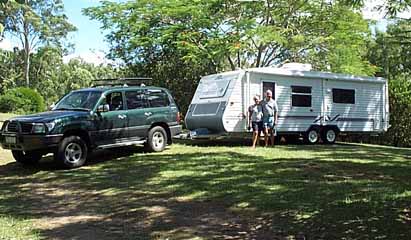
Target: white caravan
{"x":312,"y":104}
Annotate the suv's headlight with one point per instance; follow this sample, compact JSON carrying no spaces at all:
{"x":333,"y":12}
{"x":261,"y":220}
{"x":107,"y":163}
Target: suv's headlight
{"x":50,"y":126}
{"x":39,"y":128}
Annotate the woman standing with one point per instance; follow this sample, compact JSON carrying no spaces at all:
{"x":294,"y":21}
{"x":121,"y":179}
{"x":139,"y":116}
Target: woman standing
{"x":255,"y":119}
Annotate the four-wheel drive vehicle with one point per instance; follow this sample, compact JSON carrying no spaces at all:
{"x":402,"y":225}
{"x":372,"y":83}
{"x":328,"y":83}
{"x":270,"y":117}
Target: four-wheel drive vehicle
{"x":94,"y":118}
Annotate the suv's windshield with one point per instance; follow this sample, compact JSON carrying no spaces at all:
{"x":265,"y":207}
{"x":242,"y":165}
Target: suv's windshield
{"x":82,"y":101}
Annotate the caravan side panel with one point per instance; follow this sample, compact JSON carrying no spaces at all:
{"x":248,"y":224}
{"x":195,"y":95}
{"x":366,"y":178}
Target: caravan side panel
{"x":365,"y":112}
{"x":235,"y":115}
{"x":291,"y":118}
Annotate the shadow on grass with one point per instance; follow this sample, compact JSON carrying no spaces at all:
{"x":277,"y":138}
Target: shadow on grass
{"x":319,"y":192}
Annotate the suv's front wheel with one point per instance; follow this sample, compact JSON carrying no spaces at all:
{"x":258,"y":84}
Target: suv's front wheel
{"x":157,"y":139}
{"x":72,"y":152}
{"x":29,"y":157}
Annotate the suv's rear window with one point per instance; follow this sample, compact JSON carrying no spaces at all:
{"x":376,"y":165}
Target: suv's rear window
{"x":215,"y":86}
{"x":157,"y":98}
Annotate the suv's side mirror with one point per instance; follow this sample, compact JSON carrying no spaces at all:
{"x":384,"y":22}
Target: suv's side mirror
{"x":51,"y":107}
{"x":103,"y":108}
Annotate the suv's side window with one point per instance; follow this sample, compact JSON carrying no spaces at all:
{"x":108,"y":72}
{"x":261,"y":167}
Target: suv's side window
{"x":135,"y":99}
{"x":158,"y":98}
{"x":115,"y":101}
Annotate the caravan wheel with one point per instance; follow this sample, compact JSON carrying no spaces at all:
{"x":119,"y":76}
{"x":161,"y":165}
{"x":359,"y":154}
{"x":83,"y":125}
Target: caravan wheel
{"x":312,"y":136}
{"x":329,"y":136}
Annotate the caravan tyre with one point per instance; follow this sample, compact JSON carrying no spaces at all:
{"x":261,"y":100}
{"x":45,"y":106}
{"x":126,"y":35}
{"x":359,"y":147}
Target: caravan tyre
{"x":312,"y":136}
{"x":329,"y":136}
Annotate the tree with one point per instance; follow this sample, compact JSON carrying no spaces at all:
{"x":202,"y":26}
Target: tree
{"x":179,"y":41}
{"x":391,"y":8}
{"x":35,"y":22}
{"x":391,"y":50}
{"x":10,"y":62}
{"x":229,"y":33}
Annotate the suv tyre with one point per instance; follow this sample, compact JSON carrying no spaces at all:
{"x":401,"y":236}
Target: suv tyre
{"x":157,"y":139}
{"x":72,"y":152}
{"x":29,"y":157}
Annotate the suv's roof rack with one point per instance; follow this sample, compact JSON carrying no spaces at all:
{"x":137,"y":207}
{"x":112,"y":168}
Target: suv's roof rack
{"x":129,"y":81}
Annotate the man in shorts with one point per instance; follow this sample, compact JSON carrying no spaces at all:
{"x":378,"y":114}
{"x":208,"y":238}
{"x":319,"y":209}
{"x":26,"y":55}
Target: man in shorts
{"x":270,"y":117}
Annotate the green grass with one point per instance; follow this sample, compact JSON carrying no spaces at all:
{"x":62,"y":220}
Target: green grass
{"x":17,"y":229}
{"x":204,"y":192}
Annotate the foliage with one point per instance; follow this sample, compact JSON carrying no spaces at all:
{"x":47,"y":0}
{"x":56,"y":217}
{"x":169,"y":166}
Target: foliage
{"x":52,"y":77}
{"x":400,"y":107}
{"x":10,"y":73}
{"x":178,"y":41}
{"x":34,"y":23}
{"x":342,"y":42}
{"x":21,"y":100}
{"x":390,"y":51}
{"x":231,"y":34}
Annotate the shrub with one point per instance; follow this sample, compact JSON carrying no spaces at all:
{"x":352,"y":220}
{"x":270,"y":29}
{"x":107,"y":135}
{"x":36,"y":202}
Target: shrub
{"x":21,"y":100}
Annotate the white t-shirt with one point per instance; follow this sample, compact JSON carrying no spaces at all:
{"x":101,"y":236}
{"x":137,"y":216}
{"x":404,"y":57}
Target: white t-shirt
{"x":256,"y":112}
{"x":269,"y":108}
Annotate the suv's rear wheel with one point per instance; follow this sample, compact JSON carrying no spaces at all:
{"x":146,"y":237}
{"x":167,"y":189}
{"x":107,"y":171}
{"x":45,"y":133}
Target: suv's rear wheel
{"x":29,"y":157}
{"x":157,"y":139}
{"x":72,"y":152}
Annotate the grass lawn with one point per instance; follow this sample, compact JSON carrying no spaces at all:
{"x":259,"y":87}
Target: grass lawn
{"x":342,"y":191}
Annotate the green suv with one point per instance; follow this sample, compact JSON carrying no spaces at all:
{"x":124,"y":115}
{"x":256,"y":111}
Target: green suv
{"x":94,"y":118}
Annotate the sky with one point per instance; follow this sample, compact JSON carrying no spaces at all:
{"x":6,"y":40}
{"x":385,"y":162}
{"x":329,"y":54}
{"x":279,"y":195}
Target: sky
{"x":89,"y":39}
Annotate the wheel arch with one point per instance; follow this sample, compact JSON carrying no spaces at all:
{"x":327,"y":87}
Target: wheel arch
{"x":83,"y":134}
{"x":334,"y":127}
{"x":318,"y":128}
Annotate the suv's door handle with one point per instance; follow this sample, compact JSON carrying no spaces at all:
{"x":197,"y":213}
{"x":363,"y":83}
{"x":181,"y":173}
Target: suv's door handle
{"x":122,"y":116}
{"x":148,"y":113}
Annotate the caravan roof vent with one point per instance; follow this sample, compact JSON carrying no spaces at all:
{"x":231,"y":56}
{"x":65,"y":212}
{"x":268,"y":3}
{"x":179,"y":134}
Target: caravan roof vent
{"x":297,"y":66}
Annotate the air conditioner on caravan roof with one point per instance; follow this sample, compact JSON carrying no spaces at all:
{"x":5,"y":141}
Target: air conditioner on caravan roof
{"x":297,"y":66}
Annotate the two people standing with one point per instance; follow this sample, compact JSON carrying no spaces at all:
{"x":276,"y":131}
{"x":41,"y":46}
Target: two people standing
{"x":263,"y":116}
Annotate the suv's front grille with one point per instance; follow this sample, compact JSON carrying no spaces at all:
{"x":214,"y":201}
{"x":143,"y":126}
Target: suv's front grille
{"x":26,"y":127}
{"x":14,"y":127}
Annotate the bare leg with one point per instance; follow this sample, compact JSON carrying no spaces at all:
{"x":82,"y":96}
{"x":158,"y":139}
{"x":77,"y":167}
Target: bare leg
{"x":266,"y":136}
{"x":255,"y":137}
{"x":272,"y":136}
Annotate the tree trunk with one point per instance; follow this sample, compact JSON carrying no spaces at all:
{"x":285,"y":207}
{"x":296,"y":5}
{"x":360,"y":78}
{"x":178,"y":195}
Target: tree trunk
{"x":26,"y":61}
{"x":26,"y":49}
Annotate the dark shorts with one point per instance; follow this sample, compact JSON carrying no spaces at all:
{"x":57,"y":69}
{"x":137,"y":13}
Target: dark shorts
{"x":257,"y":126}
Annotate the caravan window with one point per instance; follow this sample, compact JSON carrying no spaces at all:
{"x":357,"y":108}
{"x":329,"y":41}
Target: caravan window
{"x":346,"y":96}
{"x":215,"y":86}
{"x":300,"y":96}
